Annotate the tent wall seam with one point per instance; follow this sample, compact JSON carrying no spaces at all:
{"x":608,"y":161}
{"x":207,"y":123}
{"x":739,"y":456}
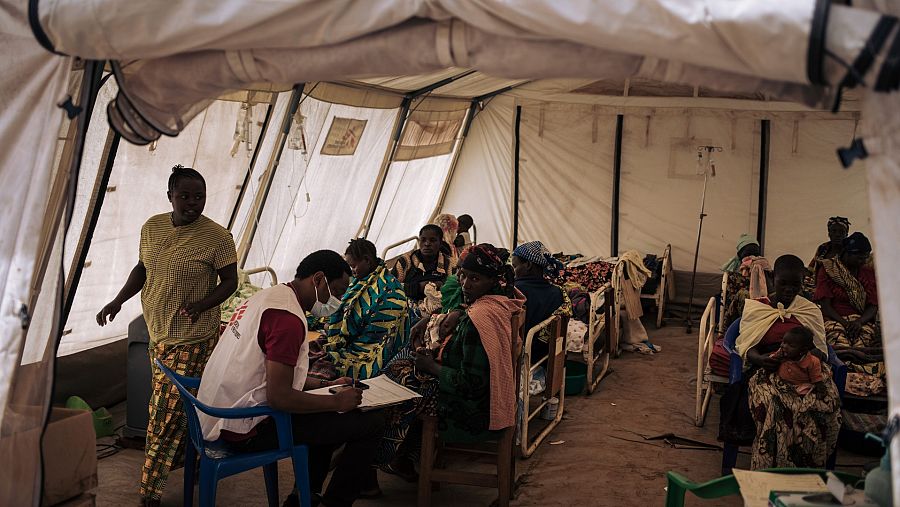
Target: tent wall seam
{"x":764,"y":148}
{"x":516,"y":150}
{"x":617,"y":186}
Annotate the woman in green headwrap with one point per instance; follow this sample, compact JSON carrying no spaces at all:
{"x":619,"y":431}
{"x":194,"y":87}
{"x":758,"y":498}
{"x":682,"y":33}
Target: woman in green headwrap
{"x":738,"y":288}
{"x":747,"y":246}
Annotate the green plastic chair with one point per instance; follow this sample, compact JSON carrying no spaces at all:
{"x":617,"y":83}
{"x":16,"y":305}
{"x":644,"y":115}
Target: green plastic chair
{"x":728,"y":485}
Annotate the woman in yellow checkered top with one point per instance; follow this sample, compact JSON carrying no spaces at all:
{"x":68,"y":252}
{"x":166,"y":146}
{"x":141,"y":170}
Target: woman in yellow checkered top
{"x":186,"y":268}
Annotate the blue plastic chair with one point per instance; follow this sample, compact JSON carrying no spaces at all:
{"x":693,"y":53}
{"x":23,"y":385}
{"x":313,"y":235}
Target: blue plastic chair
{"x":218,"y":462}
{"x":736,"y":374}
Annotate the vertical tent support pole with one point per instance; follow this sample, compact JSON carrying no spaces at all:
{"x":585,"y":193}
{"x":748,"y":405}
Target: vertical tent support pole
{"x":477,"y":102}
{"x":262,"y":136}
{"x":259,"y":201}
{"x":616,"y":190}
{"x":399,"y":125}
{"x":764,"y":133}
{"x":467,"y":123}
{"x":94,"y":208}
{"x":90,"y":87}
{"x":516,"y":148}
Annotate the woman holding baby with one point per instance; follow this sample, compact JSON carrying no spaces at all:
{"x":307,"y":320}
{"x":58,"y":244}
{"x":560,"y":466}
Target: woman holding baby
{"x":462,"y":365}
{"x":793,"y":400}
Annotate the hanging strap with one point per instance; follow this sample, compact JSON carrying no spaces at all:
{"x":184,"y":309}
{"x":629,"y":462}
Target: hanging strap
{"x":889,"y":76}
{"x":815,"y":55}
{"x":856,"y":72}
{"x":34,"y":21}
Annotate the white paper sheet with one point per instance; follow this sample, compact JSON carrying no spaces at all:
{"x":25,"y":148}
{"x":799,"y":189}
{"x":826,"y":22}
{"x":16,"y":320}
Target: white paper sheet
{"x":382,"y":392}
{"x":756,"y":486}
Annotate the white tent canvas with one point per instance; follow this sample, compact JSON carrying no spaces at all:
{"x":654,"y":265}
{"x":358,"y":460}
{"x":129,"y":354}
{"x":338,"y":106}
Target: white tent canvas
{"x":170,"y":81}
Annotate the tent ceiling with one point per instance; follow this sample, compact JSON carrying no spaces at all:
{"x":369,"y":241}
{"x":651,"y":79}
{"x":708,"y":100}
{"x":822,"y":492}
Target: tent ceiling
{"x":474,"y":84}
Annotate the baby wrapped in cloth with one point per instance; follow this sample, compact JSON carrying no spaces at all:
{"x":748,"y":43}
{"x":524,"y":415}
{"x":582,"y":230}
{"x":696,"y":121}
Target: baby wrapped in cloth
{"x":439,"y":329}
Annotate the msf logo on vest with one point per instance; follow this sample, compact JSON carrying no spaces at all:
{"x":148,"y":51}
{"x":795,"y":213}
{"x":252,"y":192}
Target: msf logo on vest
{"x":235,"y":322}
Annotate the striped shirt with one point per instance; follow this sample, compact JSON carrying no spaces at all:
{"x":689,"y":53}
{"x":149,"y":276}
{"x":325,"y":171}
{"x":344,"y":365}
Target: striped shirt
{"x":181,"y":264}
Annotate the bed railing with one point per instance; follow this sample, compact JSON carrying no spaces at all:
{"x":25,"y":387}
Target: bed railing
{"x":597,"y":347}
{"x":555,"y":362}
{"x":395,"y":245}
{"x":263,"y":269}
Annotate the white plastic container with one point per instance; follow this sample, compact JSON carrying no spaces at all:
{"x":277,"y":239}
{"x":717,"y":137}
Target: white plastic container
{"x":550,"y":409}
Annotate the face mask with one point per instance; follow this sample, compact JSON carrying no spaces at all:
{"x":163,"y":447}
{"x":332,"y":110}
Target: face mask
{"x":320,"y":309}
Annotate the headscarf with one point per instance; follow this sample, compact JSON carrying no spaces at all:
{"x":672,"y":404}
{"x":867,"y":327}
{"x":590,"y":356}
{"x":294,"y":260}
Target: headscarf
{"x":484,"y":259}
{"x":734,"y":264}
{"x":857,"y":244}
{"x":840,"y":275}
{"x":754,"y":268}
{"x":450,"y":225}
{"x":536,"y":253}
{"x":843,"y":221}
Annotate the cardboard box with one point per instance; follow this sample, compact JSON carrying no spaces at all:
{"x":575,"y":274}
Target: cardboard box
{"x":70,"y":455}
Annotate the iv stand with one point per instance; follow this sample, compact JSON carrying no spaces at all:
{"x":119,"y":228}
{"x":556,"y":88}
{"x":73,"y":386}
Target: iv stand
{"x":710,"y":170}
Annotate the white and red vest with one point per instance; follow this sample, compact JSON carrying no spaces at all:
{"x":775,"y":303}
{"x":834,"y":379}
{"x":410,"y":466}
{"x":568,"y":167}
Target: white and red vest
{"x":235,"y":376}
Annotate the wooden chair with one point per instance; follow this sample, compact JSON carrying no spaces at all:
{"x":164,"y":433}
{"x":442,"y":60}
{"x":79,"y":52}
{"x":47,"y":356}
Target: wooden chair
{"x":555,"y":362}
{"x":666,"y":289}
{"x":599,"y":343}
{"x":502,"y":448}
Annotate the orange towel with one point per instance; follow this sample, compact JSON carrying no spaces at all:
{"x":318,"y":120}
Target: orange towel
{"x":492,"y":316}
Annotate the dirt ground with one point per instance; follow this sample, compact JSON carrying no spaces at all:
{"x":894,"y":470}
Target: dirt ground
{"x":599,"y":458}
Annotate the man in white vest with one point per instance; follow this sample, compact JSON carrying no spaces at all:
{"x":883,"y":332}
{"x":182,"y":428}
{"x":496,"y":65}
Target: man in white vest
{"x":262,"y":359}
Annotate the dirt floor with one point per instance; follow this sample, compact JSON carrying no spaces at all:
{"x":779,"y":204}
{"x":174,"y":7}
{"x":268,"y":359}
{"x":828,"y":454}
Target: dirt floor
{"x":599,"y":456}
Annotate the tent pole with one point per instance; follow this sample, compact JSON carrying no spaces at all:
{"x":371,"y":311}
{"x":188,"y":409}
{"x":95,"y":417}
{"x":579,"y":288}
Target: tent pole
{"x":477,"y":102}
{"x":90,"y":87}
{"x":764,"y":142}
{"x":256,"y":210}
{"x":262,"y":136}
{"x":616,"y":190}
{"x":399,"y":125}
{"x":467,"y":123}
{"x":66,"y":183}
{"x":104,"y":171}
{"x":516,"y":148}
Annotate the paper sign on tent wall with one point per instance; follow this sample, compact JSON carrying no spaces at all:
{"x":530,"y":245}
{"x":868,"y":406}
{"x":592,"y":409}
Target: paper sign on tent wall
{"x":343,"y":136}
